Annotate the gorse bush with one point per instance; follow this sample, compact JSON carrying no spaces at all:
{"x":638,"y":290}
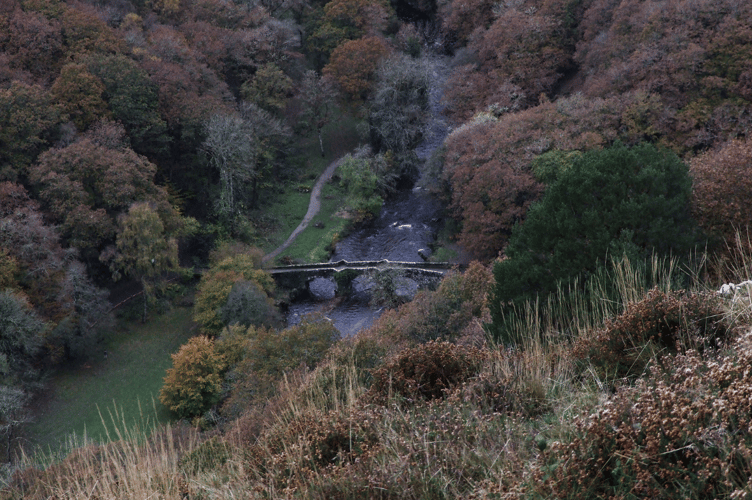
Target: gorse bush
{"x":661,"y":323}
{"x":424,"y":372}
{"x":683,"y":434}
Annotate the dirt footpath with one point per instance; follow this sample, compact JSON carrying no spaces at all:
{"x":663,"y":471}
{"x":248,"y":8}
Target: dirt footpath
{"x":313,"y":208}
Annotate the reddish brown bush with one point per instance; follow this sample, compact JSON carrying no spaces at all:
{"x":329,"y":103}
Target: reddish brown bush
{"x":661,"y":323}
{"x":425,"y":372}
{"x":681,"y":435}
{"x":722,"y":189}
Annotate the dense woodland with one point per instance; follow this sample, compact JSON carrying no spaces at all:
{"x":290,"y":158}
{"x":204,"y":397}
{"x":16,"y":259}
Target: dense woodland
{"x":598,"y":147}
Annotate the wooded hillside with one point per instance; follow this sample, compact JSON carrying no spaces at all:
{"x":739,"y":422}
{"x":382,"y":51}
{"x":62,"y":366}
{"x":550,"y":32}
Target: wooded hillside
{"x":139,"y":137}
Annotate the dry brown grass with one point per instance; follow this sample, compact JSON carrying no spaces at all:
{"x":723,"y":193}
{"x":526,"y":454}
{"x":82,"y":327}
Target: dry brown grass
{"x":383,"y":417}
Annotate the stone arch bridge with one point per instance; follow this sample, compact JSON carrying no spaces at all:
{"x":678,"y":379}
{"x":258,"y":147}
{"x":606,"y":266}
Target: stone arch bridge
{"x":298,"y":276}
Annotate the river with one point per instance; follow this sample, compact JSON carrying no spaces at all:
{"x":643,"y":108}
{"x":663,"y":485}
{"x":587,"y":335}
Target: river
{"x":406,"y":228}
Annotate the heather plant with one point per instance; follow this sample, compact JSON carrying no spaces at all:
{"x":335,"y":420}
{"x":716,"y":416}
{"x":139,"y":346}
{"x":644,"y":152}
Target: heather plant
{"x":426,"y":371}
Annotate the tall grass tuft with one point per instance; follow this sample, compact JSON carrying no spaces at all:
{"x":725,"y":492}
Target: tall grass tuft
{"x":135,"y":462}
{"x":578,"y":308}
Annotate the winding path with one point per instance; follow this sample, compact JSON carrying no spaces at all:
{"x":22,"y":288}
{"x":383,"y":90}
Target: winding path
{"x":313,"y":208}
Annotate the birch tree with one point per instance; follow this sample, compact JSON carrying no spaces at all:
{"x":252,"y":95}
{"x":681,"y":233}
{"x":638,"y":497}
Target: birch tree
{"x":144,"y":249}
{"x":240,"y":147}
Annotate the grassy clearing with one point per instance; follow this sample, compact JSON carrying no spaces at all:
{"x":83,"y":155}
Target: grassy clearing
{"x":284,"y":212}
{"x":314,"y":243}
{"x":127,"y":382}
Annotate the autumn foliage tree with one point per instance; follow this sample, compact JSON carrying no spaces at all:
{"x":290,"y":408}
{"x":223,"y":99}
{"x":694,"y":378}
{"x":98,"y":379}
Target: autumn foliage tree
{"x":34,"y":43}
{"x":85,"y":185}
{"x":80,"y":95}
{"x":52,"y":279}
{"x":216,"y":285}
{"x":29,"y":124}
{"x":133,"y":99}
{"x":353,"y":65}
{"x":194,"y":383}
{"x":270,"y":88}
{"x":145,"y":251}
{"x":526,"y":50}
{"x":343,"y":20}
{"x":722,"y":190}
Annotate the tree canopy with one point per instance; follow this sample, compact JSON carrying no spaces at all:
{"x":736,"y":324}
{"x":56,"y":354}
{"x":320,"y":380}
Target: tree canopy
{"x":622,"y":200}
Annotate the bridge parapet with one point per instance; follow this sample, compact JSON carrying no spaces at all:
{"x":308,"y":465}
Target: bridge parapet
{"x":297,"y":276}
{"x":344,"y":264}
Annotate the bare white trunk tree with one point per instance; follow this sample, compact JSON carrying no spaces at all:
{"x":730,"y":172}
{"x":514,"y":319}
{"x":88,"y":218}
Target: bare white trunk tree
{"x":13,"y":414}
{"x":239,"y":146}
{"x":318,"y":95}
{"x":232,"y":150}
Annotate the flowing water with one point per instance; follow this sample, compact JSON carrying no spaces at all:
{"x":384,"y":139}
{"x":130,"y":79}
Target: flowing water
{"x":406,"y":228}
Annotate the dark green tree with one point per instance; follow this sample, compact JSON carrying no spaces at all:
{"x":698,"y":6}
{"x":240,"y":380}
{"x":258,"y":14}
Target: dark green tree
{"x":613,"y":202}
{"x":133,"y":99}
{"x":29,"y":124}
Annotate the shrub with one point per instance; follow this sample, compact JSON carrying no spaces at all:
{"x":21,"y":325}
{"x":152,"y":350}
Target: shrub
{"x":425,"y":372}
{"x":621,"y":200}
{"x":217,"y":283}
{"x":194,"y":383}
{"x":325,"y":438}
{"x":661,"y":323}
{"x":683,"y":434}
{"x":445,"y":313}
{"x":268,"y":355}
{"x":207,"y":456}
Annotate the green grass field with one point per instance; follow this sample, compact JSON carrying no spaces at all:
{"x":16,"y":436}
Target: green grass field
{"x":312,"y":245}
{"x":128,"y":381}
{"x":290,"y":205}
